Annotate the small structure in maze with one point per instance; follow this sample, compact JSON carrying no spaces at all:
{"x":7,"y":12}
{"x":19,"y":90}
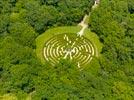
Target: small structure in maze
{"x":68,"y":45}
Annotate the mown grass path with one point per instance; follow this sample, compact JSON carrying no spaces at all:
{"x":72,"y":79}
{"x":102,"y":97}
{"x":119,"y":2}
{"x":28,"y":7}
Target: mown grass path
{"x":51,"y":45}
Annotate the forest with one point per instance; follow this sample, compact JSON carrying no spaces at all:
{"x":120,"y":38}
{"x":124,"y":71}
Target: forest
{"x":109,"y":77}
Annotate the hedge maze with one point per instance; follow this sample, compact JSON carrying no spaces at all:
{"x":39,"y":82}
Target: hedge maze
{"x":79,"y":49}
{"x":64,"y":43}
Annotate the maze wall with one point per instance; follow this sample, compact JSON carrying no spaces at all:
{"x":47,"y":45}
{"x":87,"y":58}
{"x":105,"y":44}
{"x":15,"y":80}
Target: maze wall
{"x":71,"y":46}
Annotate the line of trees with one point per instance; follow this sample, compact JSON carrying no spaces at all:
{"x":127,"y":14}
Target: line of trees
{"x":113,"y":21}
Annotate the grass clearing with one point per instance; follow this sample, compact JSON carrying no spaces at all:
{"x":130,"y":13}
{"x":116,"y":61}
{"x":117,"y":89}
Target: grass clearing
{"x":43,"y":38}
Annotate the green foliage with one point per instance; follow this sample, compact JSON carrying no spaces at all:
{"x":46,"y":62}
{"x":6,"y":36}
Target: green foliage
{"x":6,"y":6}
{"x":67,"y":80}
{"x":40,"y":17}
{"x":108,"y":77}
{"x":21,"y":77}
{"x":23,"y":33}
{"x":43,"y":14}
{"x":18,"y":67}
{"x":4,"y":21}
{"x":113,"y":22}
{"x":112,"y":28}
{"x":131,"y":6}
{"x":122,"y":91}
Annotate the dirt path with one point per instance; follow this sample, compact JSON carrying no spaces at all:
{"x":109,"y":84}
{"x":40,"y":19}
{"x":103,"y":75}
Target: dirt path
{"x":83,"y":23}
{"x":96,"y":3}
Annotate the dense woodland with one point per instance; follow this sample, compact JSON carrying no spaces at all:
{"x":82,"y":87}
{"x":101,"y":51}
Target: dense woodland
{"x":111,"y":77}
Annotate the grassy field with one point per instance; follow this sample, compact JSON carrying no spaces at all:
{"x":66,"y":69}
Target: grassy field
{"x":8,"y":97}
{"x":60,"y":30}
{"x":94,"y":39}
{"x":14,"y":97}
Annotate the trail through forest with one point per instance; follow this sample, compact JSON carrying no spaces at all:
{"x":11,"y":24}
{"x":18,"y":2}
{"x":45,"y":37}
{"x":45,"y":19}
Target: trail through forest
{"x":83,"y":23}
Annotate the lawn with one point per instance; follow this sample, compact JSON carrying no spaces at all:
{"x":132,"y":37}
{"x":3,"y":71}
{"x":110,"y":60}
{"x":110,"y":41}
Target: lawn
{"x":43,"y":38}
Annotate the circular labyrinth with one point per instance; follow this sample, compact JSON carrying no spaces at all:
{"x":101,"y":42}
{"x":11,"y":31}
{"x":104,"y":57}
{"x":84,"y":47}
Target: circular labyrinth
{"x":79,"y":49}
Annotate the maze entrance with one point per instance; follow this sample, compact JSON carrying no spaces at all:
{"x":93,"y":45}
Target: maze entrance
{"x":69,"y":45}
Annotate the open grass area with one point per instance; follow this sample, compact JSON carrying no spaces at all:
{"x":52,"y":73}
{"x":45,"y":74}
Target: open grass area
{"x":50,"y":33}
{"x":8,"y":97}
{"x":14,"y":97}
{"x":95,"y":40}
{"x":42,"y":39}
